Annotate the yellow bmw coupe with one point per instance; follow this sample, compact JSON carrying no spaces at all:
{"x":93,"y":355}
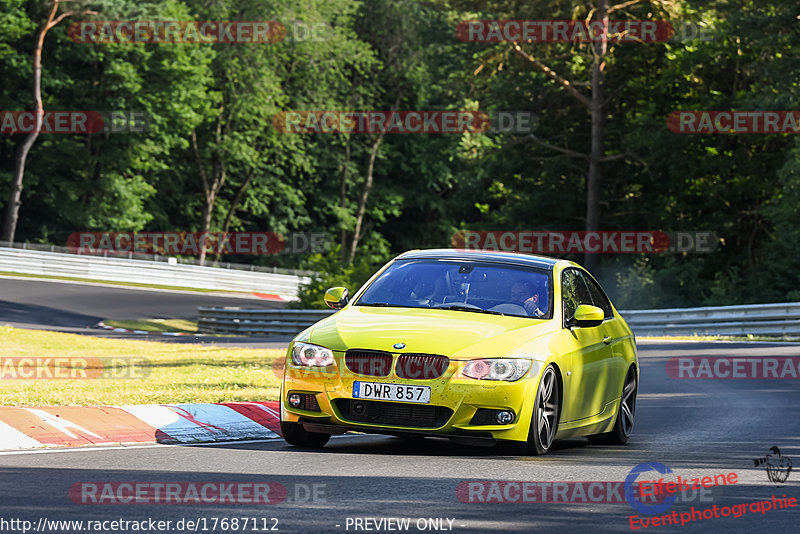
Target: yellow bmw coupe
{"x":479,"y":347}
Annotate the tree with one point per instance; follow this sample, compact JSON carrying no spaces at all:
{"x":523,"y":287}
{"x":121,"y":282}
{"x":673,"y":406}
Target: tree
{"x":14,"y":202}
{"x":237,"y":145}
{"x":597,"y":14}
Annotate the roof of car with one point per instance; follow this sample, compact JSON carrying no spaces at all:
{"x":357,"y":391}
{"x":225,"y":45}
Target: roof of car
{"x":513,"y":258}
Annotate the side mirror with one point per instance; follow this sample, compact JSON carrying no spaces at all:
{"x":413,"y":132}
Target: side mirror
{"x":337,"y":297}
{"x":587,"y":316}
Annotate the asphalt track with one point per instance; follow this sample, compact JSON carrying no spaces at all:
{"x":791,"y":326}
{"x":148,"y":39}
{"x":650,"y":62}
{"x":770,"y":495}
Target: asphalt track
{"x":75,"y":307}
{"x":695,"y":427}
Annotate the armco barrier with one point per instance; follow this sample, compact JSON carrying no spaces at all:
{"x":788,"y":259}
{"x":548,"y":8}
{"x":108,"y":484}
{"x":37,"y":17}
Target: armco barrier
{"x":17,"y":260}
{"x":258,"y":322}
{"x":755,"y":319}
{"x":746,"y":319}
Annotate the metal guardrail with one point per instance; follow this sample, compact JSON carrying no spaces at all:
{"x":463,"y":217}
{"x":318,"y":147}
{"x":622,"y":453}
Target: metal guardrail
{"x":26,"y":261}
{"x":755,"y":319}
{"x":257,"y":321}
{"x":747,"y":319}
{"x":172,"y":260}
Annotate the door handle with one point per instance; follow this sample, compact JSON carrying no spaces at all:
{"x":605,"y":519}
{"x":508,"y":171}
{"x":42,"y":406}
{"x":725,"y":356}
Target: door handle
{"x":607,"y":340}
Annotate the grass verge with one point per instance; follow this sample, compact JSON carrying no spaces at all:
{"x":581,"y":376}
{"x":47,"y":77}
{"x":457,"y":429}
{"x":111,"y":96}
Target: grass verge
{"x":173,"y":372}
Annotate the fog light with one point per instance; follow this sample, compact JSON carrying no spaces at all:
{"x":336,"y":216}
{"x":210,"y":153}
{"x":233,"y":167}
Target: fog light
{"x":294,"y":400}
{"x":504,"y":417}
{"x":359,"y":408}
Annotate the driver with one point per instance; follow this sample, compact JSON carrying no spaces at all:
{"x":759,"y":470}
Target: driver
{"x":523,"y":294}
{"x":423,"y":292}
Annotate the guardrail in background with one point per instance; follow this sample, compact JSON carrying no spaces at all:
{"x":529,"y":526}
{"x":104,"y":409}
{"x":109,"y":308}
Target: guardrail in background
{"x":172,"y":260}
{"x":746,"y":319}
{"x":261,"y":322}
{"x":166,"y":273}
{"x":755,"y":319}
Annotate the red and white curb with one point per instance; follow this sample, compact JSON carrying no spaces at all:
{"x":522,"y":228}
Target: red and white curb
{"x":76,"y":426}
{"x":276,"y":298}
{"x":104,"y":326}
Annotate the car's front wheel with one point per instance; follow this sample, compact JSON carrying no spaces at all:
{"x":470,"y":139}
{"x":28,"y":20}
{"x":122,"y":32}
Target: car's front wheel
{"x":296,"y":435}
{"x":544,"y":421}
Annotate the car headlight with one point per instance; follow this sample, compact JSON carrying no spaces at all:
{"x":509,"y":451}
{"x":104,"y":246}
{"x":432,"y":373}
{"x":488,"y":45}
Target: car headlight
{"x":311,"y":355}
{"x":497,"y":369}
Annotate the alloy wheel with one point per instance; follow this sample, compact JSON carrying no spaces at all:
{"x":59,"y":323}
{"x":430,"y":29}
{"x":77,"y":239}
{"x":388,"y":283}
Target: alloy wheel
{"x":547,"y":416}
{"x":628,"y":404}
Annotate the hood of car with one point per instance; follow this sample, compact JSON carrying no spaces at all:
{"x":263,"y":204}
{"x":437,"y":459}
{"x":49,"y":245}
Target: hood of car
{"x":456,"y":334}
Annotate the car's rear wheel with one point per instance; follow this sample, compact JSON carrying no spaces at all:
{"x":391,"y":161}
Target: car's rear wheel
{"x":296,"y":435}
{"x":623,"y":426}
{"x":544,"y":421}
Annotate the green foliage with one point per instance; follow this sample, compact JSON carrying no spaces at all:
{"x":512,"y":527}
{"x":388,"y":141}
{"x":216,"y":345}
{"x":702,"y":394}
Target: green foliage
{"x":332,"y":273}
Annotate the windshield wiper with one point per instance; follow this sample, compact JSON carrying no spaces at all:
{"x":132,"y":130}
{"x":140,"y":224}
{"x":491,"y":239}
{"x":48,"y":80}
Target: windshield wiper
{"x":456,"y":307}
{"x":384,"y":305}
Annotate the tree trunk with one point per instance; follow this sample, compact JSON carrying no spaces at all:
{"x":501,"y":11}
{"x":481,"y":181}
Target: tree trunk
{"x":362,"y":202}
{"x":14,"y":199}
{"x":237,"y":198}
{"x":595,"y":174}
{"x":343,"y":197}
{"x":211,"y":187}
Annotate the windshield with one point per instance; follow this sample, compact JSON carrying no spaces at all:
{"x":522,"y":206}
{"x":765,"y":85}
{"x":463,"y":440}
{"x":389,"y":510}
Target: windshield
{"x":464,"y":286}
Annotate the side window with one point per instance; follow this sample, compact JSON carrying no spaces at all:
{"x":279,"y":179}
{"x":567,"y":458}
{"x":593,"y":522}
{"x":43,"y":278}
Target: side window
{"x":598,"y":297}
{"x":573,"y":292}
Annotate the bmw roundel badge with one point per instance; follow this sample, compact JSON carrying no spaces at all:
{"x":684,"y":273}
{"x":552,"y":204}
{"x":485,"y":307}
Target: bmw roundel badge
{"x":399,"y":346}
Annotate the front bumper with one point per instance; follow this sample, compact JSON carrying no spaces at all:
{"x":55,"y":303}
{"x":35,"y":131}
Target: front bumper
{"x":454,"y":402}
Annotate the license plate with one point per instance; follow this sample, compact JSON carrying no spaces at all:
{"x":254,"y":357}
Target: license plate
{"x":392,"y":392}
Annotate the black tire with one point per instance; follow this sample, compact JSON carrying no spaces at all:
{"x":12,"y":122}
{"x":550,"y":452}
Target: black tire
{"x":623,"y":426}
{"x":546,"y":411}
{"x":295,"y":434}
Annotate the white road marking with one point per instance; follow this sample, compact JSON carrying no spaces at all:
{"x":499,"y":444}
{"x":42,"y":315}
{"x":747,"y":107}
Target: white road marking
{"x":132,"y":446}
{"x":11,"y":438}
{"x":60,"y":423}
